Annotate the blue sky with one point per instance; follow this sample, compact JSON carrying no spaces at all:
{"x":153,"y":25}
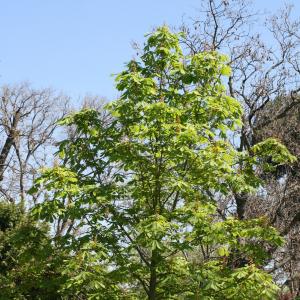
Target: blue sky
{"x":75,"y":45}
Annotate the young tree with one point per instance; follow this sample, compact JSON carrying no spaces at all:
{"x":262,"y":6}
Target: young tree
{"x":141,"y":189}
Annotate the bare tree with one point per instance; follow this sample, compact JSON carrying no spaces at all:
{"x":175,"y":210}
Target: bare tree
{"x":264,"y":54}
{"x":27,"y":129}
{"x":281,"y":202}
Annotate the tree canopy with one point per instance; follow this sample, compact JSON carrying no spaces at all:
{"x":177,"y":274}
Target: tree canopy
{"x":139,"y":191}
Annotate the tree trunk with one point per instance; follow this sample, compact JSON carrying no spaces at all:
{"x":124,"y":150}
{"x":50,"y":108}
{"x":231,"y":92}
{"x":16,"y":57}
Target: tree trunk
{"x":8,"y":143}
{"x":241,"y":200}
{"x":153,"y":276}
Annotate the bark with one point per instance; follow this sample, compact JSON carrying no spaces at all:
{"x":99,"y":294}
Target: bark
{"x":8,"y":143}
{"x":153,"y":276}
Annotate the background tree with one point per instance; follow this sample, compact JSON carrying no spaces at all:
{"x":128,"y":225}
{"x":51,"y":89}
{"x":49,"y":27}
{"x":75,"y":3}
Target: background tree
{"x":281,"y":204}
{"x":264,"y":58}
{"x":28,"y":121}
{"x":144,"y":186}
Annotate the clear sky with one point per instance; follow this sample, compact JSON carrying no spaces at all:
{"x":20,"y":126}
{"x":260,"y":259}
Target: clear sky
{"x":75,"y":45}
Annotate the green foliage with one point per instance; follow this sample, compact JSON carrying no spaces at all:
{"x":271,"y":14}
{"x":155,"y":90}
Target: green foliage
{"x":272,"y":150}
{"x":28,"y":263}
{"x":87,"y":275}
{"x":143,"y":186}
